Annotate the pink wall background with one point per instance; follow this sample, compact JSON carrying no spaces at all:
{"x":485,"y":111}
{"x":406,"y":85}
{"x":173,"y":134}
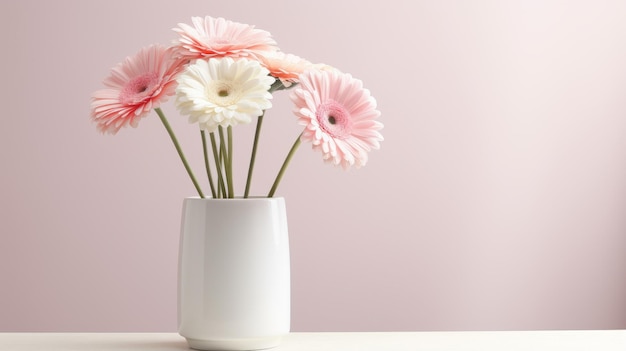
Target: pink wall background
{"x":497,"y":201}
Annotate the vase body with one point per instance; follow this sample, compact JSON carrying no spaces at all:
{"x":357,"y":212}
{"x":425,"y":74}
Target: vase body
{"x":234,"y":273}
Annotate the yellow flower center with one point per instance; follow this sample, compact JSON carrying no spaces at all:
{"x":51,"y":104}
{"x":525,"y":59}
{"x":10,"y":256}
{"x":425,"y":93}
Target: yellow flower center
{"x":222,"y":93}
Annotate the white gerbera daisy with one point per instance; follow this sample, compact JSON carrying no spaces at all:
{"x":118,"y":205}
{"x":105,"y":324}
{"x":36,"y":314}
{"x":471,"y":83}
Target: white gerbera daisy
{"x":223,"y":92}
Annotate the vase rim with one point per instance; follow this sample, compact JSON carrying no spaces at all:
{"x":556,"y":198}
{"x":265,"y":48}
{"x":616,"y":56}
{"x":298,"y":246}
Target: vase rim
{"x":236,"y":198}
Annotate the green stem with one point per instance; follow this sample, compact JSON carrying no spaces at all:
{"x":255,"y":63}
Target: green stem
{"x":218,"y":164}
{"x":206,"y":163}
{"x":231,"y":190}
{"x":179,"y":150}
{"x":224,"y":163}
{"x":224,"y":157}
{"x":292,"y":151}
{"x":257,"y":134}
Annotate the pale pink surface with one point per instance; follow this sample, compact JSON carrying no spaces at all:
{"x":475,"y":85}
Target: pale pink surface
{"x":496,"y":202}
{"x":135,"y":87}
{"x":219,"y":37}
{"x":339,"y":115}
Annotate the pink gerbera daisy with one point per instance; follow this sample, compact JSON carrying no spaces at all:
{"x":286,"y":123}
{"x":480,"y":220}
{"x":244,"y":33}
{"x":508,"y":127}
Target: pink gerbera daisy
{"x":135,"y":86}
{"x":286,"y":67}
{"x":218,"y":37}
{"x":339,"y":116}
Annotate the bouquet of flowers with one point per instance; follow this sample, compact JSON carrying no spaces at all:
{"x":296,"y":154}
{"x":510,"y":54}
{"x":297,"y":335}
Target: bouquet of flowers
{"x":223,"y":74}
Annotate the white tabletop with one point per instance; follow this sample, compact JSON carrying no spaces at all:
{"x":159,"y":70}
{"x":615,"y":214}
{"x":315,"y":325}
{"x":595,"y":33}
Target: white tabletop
{"x":599,"y":340}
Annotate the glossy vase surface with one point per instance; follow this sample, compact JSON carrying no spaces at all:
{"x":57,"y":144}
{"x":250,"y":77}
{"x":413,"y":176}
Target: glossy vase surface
{"x":234,"y":273}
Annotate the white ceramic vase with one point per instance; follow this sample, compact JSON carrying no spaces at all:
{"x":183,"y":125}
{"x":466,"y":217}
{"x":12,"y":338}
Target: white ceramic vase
{"x":234,"y":274}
